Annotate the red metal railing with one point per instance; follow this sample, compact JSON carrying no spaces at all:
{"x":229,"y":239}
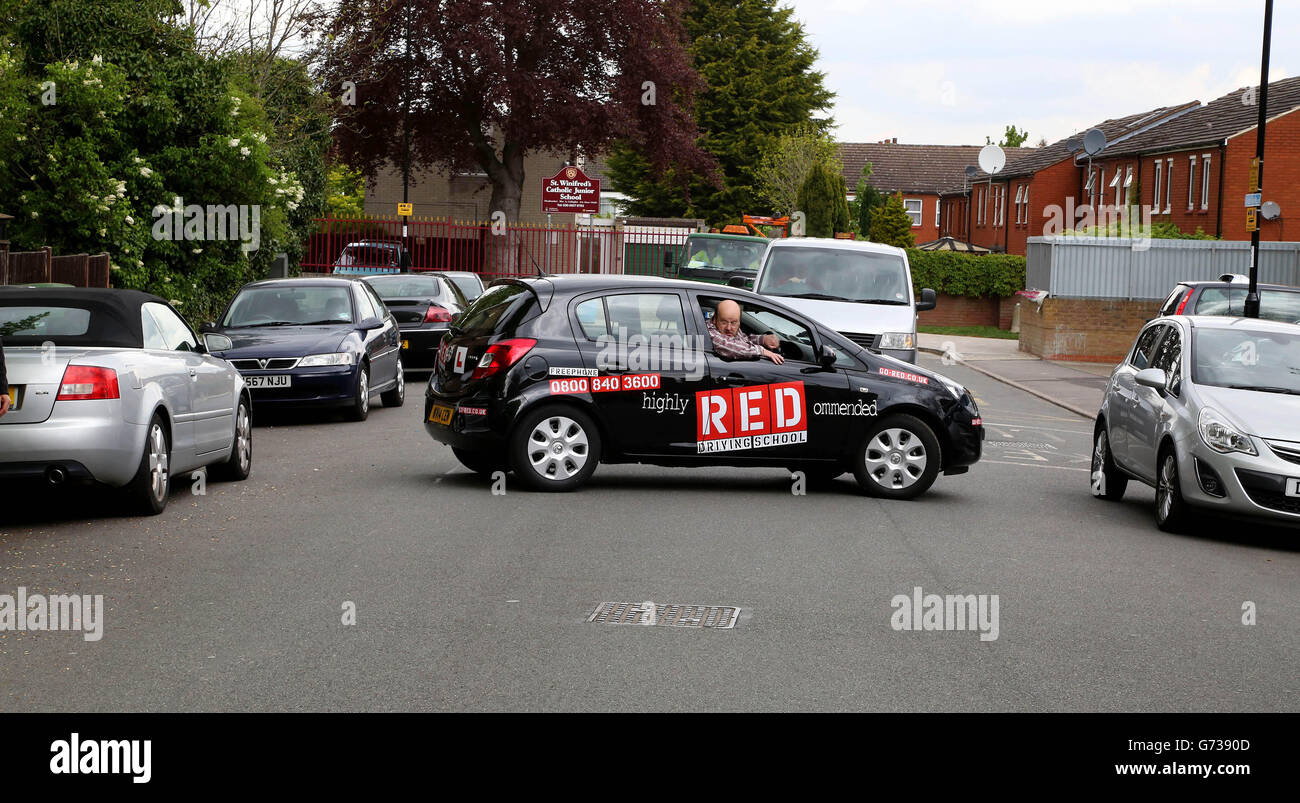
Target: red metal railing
{"x":376,"y":245}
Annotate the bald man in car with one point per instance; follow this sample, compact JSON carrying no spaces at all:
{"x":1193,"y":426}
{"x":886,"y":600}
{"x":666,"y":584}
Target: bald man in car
{"x":730,"y":344}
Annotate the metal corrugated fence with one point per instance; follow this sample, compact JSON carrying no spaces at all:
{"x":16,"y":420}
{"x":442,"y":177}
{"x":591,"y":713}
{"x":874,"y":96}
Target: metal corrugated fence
{"x":1108,"y":267}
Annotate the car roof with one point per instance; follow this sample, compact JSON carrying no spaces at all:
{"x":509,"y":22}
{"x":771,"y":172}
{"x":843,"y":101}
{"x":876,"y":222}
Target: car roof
{"x":120,"y":307}
{"x":1233,"y":322}
{"x":375,"y":243}
{"x":1220,"y":283}
{"x":455,"y":273}
{"x":340,"y":280}
{"x":843,"y":245}
{"x":583,"y":282}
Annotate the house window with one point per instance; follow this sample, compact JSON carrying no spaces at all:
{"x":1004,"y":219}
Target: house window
{"x":937,"y":204}
{"x":1205,"y":181}
{"x":1169,"y":184}
{"x":1128,"y":185}
{"x":913,"y":207}
{"x":1158,"y":182}
{"x":1026,"y":220}
{"x":1091,"y":187}
{"x":1000,"y":205}
{"x":1191,"y":183}
{"x":1020,"y":196}
{"x":1115,"y":183}
{"x":979,"y":212}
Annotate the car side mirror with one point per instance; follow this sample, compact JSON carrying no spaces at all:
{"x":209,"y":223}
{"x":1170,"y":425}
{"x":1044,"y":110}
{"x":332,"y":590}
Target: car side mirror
{"x":1153,"y":378}
{"x":827,"y":357}
{"x":372,"y":323}
{"x":216,"y":342}
{"x":736,"y":281}
{"x":928,"y":300}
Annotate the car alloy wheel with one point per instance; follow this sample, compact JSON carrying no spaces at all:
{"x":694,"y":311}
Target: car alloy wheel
{"x":158,"y":462}
{"x":557,"y":448}
{"x":899,"y":459}
{"x":896,"y":459}
{"x":395,"y":397}
{"x":1107,"y":482}
{"x":244,"y":439}
{"x":1171,"y":510}
{"x":147,"y":491}
{"x":360,"y":407}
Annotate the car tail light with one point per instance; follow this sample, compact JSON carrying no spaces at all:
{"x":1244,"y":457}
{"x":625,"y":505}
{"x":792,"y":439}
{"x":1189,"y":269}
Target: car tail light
{"x":502,"y":355}
{"x":1182,"y":304}
{"x":87,"y":382}
{"x":437,"y":314}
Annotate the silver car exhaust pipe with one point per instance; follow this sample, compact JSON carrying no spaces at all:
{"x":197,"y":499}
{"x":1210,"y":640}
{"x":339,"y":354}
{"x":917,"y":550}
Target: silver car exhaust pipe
{"x":55,"y":475}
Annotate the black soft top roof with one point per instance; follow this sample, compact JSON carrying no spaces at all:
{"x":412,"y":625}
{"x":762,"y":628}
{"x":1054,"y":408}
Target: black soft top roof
{"x":114,"y":314}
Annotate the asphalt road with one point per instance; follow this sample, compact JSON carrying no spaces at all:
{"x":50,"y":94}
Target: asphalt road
{"x":466,"y":600}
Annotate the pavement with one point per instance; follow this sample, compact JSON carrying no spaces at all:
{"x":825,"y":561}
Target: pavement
{"x":1074,"y":386}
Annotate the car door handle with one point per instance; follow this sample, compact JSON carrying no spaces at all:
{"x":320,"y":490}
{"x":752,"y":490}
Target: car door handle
{"x":734,"y":379}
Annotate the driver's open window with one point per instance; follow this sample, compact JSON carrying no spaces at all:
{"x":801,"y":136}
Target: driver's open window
{"x":796,"y":340}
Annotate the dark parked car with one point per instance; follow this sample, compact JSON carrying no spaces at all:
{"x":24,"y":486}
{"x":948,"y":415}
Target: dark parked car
{"x":424,"y":305}
{"x":549,"y":376}
{"x":318,"y":341}
{"x":372,"y":257}
{"x":1227,"y":296}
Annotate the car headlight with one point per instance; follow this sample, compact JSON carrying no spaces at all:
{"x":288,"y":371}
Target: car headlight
{"x":336,"y":358}
{"x":1221,"y":436}
{"x":897,"y":340}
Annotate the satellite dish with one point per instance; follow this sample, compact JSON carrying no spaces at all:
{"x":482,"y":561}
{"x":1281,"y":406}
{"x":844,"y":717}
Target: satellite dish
{"x":992,"y":159}
{"x":972,"y":171}
{"x":1094,"y":142}
{"x":1270,"y":210}
{"x":1074,"y":144}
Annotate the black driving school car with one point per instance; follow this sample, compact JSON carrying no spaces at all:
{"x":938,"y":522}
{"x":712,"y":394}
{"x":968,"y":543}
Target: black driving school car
{"x":550,"y":376}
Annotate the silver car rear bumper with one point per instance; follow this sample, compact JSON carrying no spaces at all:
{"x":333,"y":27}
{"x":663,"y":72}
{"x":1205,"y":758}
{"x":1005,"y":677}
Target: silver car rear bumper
{"x":90,"y":433}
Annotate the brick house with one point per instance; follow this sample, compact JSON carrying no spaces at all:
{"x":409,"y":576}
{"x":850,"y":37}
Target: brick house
{"x":919,"y":172}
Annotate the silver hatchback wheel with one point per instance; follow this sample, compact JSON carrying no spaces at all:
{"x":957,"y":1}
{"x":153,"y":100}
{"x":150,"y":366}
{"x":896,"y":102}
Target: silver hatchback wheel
{"x":243,"y":439}
{"x":896,"y":458}
{"x":558,"y":448}
{"x":1165,"y":486}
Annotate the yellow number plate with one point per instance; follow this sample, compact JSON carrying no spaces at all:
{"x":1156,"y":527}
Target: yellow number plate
{"x":13,"y":397}
{"x":440,"y":414}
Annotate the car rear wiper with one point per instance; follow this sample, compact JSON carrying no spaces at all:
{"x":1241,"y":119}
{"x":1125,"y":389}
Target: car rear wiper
{"x":1266,"y":389}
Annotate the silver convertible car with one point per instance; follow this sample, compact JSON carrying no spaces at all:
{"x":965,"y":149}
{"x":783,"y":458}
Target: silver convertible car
{"x":112,"y":386}
{"x":1207,"y":410}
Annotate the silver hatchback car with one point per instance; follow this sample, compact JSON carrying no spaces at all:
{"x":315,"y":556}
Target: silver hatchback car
{"x":1207,"y":410}
{"x":112,"y":386}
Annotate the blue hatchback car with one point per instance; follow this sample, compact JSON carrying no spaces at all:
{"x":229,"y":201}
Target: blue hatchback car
{"x":314,"y":341}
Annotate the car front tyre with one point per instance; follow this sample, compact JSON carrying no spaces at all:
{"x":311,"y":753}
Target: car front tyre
{"x":1172,"y":514}
{"x":395,"y":397}
{"x":1107,"y":481}
{"x":899,"y":458}
{"x":555,"y":448}
{"x":360,"y":407}
{"x":147,"y":491}
{"x":239,"y":463}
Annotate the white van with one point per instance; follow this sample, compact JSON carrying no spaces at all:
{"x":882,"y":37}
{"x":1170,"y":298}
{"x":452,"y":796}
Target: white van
{"x":861,"y":290}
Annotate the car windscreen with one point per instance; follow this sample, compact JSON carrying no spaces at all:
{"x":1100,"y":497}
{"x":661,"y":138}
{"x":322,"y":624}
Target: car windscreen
{"x":32,"y":323}
{"x":497,"y":311}
{"x":289,"y":306}
{"x":470,"y":286}
{"x":1274,"y":305}
{"x":835,"y":274}
{"x":406,"y":286}
{"x":369,"y":255}
{"x":1246,"y":359}
{"x":729,"y":255}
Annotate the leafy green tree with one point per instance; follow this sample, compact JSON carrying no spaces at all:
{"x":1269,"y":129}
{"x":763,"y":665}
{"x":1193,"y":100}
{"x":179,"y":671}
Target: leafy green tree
{"x":1011,"y":138}
{"x":114,"y":121}
{"x":817,"y":201}
{"x":891,"y":225}
{"x":784,"y":167}
{"x":760,"y":84}
{"x":840,"y":218}
{"x":866,"y":200}
{"x":346,"y":193}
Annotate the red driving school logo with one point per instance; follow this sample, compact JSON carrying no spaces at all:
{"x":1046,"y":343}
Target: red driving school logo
{"x":750,"y":417}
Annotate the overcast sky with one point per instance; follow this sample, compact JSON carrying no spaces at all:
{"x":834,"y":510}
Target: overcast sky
{"x":949,"y":72}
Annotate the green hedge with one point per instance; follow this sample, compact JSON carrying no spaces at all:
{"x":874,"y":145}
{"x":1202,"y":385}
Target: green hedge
{"x":971,"y":275}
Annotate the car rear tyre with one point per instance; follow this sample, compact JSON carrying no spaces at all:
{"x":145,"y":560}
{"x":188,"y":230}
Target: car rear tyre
{"x":899,"y":458}
{"x":1107,"y":481}
{"x":147,"y":491}
{"x":240,"y":462}
{"x":555,"y":448}
{"x":485,"y":463}
{"x":1172,"y":514}
{"x":395,"y":397}
{"x":360,"y":407}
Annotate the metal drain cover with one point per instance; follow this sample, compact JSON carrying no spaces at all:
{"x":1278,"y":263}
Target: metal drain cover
{"x":638,"y":613}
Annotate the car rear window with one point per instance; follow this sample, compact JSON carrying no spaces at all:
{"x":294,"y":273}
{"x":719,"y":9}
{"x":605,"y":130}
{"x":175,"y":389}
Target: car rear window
{"x":498,"y":311}
{"x":407,"y":286}
{"x":471,"y":287}
{"x":1274,"y":305}
{"x":41,"y":321}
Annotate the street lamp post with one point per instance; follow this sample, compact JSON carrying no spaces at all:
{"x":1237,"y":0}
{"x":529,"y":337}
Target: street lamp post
{"x":1251,"y":307}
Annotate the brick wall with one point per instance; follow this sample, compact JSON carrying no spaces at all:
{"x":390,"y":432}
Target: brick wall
{"x":963,"y":311}
{"x":1089,"y":330}
{"x":1281,"y":179}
